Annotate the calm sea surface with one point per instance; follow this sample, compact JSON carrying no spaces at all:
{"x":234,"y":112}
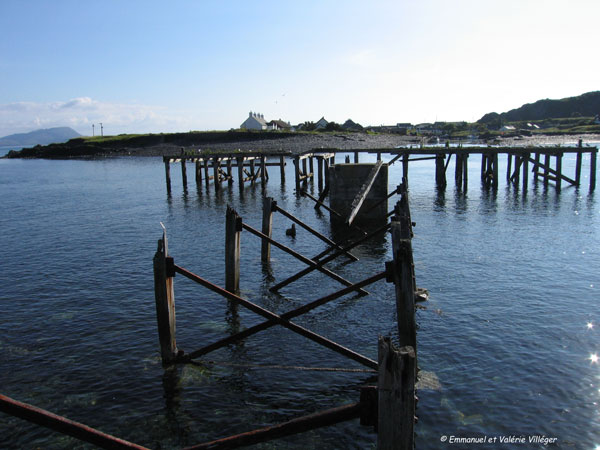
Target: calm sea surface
{"x":511,"y":330}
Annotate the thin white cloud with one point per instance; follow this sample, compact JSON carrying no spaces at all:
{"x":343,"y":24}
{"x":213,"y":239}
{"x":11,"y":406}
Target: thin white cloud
{"x":80,"y":113}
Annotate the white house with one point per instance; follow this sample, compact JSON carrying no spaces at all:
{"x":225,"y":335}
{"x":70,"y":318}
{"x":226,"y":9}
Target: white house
{"x":255,"y":121}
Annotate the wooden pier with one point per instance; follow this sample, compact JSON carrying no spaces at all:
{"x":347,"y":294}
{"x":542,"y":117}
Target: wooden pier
{"x":544,"y":163}
{"x":388,"y":406}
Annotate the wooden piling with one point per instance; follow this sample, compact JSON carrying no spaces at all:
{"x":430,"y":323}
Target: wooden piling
{"x":263,"y":169}
{"x":183,"y":173}
{"x":216,"y":175}
{"x":267,"y":228}
{"x":304,"y":169}
{"x":252,"y":170}
{"x":536,"y":167}
{"x":282,"y":168}
{"x":206,"y":176}
{"x":546,"y":168}
{"x":240,"y":170}
{"x":405,"y":165}
{"x":483,"y":167}
{"x":593,"y":155}
{"x":495,"y":171}
{"x":403,"y":280}
{"x":509,"y":166}
{"x":440,"y":171}
{"x":396,"y":396}
{"x":355,"y":157}
{"x":297,"y":172}
{"x":233,"y":231}
{"x":165,"y":301}
{"x":229,"y":171}
{"x":311,"y":168}
{"x":465,"y":171}
{"x":458,"y":170}
{"x":168,"y":175}
{"x":320,"y":172}
{"x":525,"y":171}
{"x":198,"y":165}
{"x":558,"y":171}
{"x":578,"y":168}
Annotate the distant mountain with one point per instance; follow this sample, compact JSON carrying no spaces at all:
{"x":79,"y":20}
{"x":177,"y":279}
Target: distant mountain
{"x":585,"y":105}
{"x":41,"y":137}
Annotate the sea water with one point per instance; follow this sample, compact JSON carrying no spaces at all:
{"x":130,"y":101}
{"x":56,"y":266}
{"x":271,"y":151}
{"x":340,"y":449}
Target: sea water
{"x":507,"y":342}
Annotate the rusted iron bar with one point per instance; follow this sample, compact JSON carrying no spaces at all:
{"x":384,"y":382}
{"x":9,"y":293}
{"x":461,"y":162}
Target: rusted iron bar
{"x":294,"y":426}
{"x":363,"y":192}
{"x":312,"y":231}
{"x":287,"y":316}
{"x":63,"y":425}
{"x":328,"y":259}
{"x":297,"y":255}
{"x":272,"y":316}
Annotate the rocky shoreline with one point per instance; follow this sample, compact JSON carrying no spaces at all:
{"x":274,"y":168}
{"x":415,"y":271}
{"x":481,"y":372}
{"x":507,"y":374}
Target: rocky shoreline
{"x":289,"y":143}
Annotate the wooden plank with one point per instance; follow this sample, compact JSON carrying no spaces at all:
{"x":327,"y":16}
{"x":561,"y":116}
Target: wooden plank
{"x":552,"y":171}
{"x":272,"y":316}
{"x":232,"y":250}
{"x":165,"y":303}
{"x":363,"y":192}
{"x":396,"y":396}
{"x":63,"y":425}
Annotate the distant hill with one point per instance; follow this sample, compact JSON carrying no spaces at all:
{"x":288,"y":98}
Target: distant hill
{"x":584,"y":105}
{"x":41,"y":137}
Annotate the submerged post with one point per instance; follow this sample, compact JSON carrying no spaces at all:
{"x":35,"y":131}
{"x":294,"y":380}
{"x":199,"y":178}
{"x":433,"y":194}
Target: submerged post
{"x":240,"y":170}
{"x":165,"y":301}
{"x":282,"y":168}
{"x":546,"y":168}
{"x":267,"y":228}
{"x":558,"y":171}
{"x":198,"y":172}
{"x":593,"y":155}
{"x":525,"y":171}
{"x":168,"y":175}
{"x":396,"y":396}
{"x":440,"y":171}
{"x":465,"y":171}
{"x":233,"y":232}
{"x":183,"y":173}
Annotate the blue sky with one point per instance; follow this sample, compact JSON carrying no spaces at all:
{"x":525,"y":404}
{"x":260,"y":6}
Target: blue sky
{"x":150,"y":66}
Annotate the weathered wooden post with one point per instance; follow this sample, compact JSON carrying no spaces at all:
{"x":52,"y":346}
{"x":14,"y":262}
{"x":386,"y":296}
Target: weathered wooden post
{"x":253,"y":170}
{"x":311,"y":169}
{"x":458,"y":168}
{"x":440,"y":171}
{"x":578,"y":163}
{"x":355,"y":157}
{"x":525,"y":171}
{"x":165,"y":301}
{"x":396,"y":396}
{"x":509,"y":167}
{"x":206,"y":175}
{"x":240,"y":170}
{"x":297,"y":172}
{"x":320,"y":174}
{"x":593,"y":155}
{"x":282,"y":168}
{"x":229,"y":171}
{"x":183,"y":173}
{"x":495,"y":170}
{"x":263,"y":169}
{"x":403,"y":270}
{"x":304,"y":170}
{"x":198,"y":172}
{"x":465,"y":171}
{"x":483,"y":167}
{"x":536,"y":168}
{"x":378,"y":156}
{"x":168,"y":175}
{"x":233,"y":232}
{"x":558,"y":171}
{"x":546,"y":168}
{"x":267,"y":228}
{"x":405,"y":165}
{"x":216,"y":175}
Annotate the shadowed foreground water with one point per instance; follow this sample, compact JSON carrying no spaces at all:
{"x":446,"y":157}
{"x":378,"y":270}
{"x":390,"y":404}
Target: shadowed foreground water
{"x":510,"y":330}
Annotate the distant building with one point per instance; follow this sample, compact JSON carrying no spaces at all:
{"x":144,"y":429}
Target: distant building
{"x":350,"y":125}
{"x":278,"y":125}
{"x":507,"y":129}
{"x":255,"y":121}
{"x":321,"y":123}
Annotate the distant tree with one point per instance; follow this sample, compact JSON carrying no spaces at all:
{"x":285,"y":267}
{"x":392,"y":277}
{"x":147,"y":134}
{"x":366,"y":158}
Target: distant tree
{"x":308,"y":126}
{"x":332,"y":126}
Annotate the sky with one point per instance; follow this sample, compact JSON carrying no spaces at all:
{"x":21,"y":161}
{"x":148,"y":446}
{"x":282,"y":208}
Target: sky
{"x":156,"y":66}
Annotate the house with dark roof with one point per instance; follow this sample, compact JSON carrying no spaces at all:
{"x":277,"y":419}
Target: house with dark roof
{"x":278,"y":125}
{"x":350,"y":125}
{"x":255,"y":121}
